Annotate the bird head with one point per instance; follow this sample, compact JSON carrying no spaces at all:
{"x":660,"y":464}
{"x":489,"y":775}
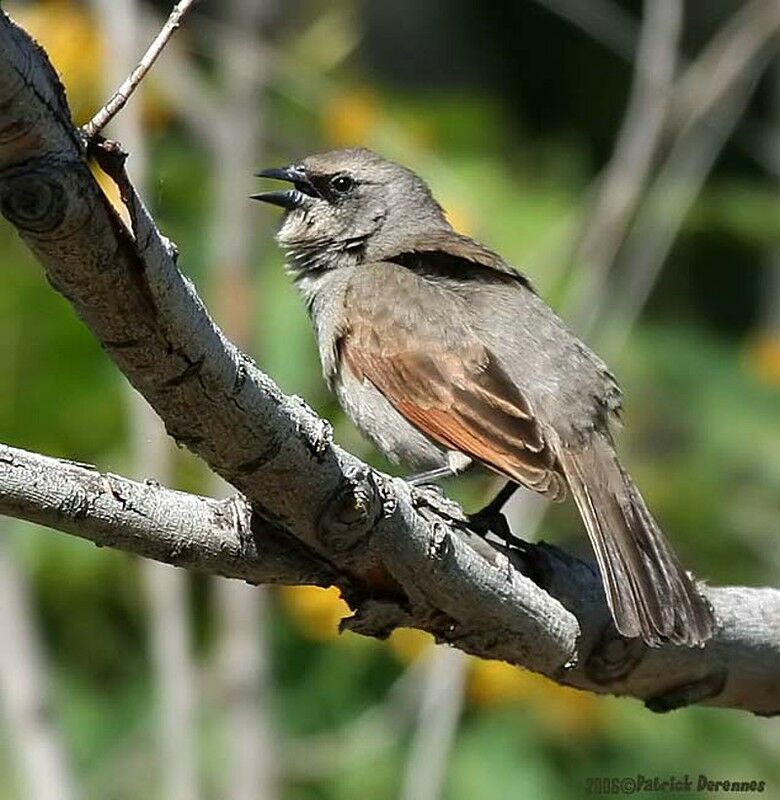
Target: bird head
{"x":348,"y":205}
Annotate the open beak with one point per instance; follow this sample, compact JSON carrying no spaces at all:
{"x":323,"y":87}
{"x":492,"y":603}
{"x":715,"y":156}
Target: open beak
{"x":287,"y":198}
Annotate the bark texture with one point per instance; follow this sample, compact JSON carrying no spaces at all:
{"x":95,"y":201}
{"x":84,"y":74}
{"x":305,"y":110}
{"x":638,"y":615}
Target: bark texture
{"x":312,"y":513}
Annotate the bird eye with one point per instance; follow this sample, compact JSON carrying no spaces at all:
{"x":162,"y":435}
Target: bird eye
{"x":341,"y":184}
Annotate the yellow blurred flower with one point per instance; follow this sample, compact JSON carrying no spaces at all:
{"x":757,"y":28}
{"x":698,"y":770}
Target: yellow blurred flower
{"x":349,"y":117}
{"x":317,"y":611}
{"x":408,"y":644}
{"x":68,"y":34}
{"x":763,"y":357}
{"x":495,"y":682}
{"x":570,"y":712}
{"x":562,"y":710}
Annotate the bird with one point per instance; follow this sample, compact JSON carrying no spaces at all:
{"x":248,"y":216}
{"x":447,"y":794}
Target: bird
{"x":444,"y":356}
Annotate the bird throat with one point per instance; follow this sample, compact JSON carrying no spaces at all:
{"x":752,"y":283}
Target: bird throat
{"x":307,"y":258}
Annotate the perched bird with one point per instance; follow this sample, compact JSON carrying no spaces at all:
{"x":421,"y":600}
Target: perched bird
{"x":443,"y":355}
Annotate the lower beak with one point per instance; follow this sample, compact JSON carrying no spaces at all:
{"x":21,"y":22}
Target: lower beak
{"x":286,"y":198}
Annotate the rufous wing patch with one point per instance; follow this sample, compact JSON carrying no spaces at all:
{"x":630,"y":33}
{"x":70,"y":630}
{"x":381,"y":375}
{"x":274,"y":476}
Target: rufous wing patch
{"x":466,"y":403}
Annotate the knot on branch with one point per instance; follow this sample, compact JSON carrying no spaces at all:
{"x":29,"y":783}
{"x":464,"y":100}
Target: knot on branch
{"x":351,"y":512}
{"x":33,"y":201}
{"x":316,"y":433}
{"x":377,"y":618}
{"x":613,"y":657}
{"x":687,"y":694}
{"x":13,"y":127}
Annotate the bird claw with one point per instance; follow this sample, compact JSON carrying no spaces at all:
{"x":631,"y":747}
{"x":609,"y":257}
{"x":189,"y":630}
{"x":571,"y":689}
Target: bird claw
{"x":488,"y":521}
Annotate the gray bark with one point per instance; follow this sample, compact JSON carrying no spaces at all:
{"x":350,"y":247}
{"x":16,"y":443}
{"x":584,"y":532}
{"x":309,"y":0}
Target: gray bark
{"x":399,"y":556}
{"x":216,"y":537}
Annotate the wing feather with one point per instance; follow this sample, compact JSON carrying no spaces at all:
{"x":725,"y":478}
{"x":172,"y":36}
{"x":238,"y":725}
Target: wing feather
{"x":466,"y":403}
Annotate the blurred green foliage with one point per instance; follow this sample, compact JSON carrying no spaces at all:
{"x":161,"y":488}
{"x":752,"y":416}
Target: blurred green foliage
{"x":702,"y":434}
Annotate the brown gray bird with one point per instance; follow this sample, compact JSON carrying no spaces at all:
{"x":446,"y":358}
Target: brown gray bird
{"x":443,"y":355}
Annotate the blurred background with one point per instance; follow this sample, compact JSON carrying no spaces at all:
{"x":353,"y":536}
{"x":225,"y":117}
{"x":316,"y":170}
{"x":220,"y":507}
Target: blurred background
{"x":626,"y":156}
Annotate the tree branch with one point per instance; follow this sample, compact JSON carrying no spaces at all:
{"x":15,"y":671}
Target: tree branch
{"x":220,"y":537}
{"x":125,"y":91}
{"x":399,"y":556}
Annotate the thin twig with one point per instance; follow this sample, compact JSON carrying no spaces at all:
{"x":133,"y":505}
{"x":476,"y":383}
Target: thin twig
{"x":738,"y":55}
{"x":604,"y":224}
{"x":613,"y":31}
{"x":669,"y":201}
{"x":693,"y":118}
{"x":133,"y":80}
{"x":191,"y":96}
{"x":603,"y":20}
{"x":751,"y":30}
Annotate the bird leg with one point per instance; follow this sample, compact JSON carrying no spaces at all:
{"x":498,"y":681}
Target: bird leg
{"x":431,"y":475}
{"x":490,"y":519}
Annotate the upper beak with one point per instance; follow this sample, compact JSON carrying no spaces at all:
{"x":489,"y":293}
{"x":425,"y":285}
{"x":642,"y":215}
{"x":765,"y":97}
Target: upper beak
{"x":287,"y":198}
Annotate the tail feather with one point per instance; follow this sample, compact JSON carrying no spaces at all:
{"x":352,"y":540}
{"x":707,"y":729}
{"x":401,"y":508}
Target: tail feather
{"x":648,"y":592}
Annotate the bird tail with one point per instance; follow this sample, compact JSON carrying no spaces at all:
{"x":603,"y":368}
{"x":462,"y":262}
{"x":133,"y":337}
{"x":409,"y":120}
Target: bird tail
{"x":648,"y":592}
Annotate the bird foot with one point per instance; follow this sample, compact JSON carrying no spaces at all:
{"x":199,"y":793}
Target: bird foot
{"x":490,"y":520}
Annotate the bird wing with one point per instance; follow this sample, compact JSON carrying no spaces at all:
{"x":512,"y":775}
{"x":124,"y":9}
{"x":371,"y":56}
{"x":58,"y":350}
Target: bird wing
{"x":456,"y":254}
{"x":455,"y":393}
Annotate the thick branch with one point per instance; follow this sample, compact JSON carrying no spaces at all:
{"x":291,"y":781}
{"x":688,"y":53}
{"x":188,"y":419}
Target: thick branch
{"x":219,"y":537}
{"x":399,"y":557}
